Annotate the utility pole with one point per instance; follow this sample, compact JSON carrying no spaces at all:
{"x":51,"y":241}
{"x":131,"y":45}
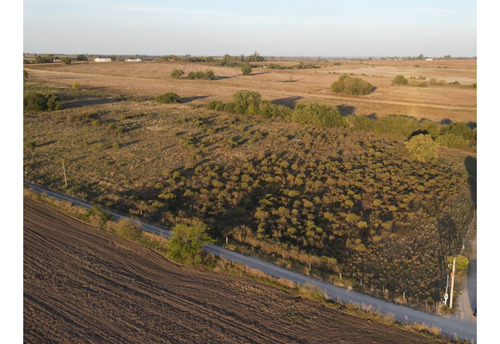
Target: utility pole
{"x":64,"y":172}
{"x":452,"y":282}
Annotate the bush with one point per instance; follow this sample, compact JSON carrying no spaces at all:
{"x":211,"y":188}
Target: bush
{"x":247,"y":102}
{"x":25,"y":74}
{"x":422,"y":148}
{"x":34,"y":101}
{"x":208,"y":75}
{"x":246,"y":69}
{"x":169,"y":97}
{"x":128,"y":228}
{"x":318,"y":115}
{"x":354,"y":86}
{"x":176,"y":73}
{"x":400,"y":80}
{"x":187,"y":242}
{"x":81,"y":58}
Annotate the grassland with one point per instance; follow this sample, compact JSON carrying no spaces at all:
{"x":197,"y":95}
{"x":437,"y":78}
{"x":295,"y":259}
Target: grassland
{"x":290,"y":87}
{"x":348,"y":206}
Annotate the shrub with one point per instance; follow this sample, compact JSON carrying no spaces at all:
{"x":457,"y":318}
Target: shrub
{"x":422,"y":148}
{"x":208,"y":75}
{"x":246,"y":102}
{"x":34,"y":101}
{"x":169,"y":97}
{"x":176,"y":73}
{"x":25,"y":74}
{"x":354,"y":86}
{"x":400,"y":80}
{"x":76,"y":85}
{"x":53,"y":102}
{"x":246,"y":69}
{"x":318,"y":115}
{"x":128,"y":228}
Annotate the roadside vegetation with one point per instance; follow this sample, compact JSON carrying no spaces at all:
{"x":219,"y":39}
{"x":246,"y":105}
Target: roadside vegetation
{"x":187,"y":241}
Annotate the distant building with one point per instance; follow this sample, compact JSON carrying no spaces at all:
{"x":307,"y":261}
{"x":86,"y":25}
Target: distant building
{"x":133,"y":60}
{"x":428,"y":59}
{"x":102,"y":59}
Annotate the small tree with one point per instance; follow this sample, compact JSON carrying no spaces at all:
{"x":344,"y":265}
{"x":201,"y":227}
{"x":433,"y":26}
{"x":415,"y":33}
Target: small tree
{"x":245,"y":100}
{"x":246,"y":69}
{"x":354,"y":86}
{"x":187,"y":242}
{"x":81,"y":58}
{"x":176,"y":73}
{"x":422,"y":148}
{"x":400,"y":80}
{"x":66,"y":60}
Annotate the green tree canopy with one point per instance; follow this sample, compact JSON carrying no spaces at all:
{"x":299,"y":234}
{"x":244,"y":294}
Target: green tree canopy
{"x":354,"y":86}
{"x":187,"y":242}
{"x":246,"y":69}
{"x":422,"y":148}
{"x":247,"y":101}
{"x":400,"y":80}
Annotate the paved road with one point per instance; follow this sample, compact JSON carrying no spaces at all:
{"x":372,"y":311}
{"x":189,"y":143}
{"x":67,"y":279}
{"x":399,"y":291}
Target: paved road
{"x":450,"y":327}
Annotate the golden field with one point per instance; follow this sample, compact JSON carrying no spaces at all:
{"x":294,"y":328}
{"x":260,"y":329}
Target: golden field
{"x":457,"y":103}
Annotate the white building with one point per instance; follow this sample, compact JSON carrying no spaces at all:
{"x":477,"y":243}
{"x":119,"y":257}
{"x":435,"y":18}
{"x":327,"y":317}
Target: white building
{"x":102,"y":59}
{"x":133,"y":60}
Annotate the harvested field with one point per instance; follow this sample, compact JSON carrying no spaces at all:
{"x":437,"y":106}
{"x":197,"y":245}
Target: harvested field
{"x":82,"y":284}
{"x":289,"y":87}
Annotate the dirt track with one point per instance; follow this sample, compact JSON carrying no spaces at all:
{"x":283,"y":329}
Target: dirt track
{"x":82,"y":284}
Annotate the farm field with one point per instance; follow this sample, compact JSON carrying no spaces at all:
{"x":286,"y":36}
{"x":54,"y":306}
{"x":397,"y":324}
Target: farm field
{"x":291,"y":87}
{"x":82,"y":284}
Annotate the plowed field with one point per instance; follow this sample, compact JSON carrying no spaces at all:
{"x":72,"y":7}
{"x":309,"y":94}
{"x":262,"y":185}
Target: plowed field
{"x":84,"y":285}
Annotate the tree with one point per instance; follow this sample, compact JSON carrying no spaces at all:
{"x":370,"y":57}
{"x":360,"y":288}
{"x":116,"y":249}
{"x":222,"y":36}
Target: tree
{"x":245,"y":100}
{"x":246,"y":69}
{"x":187,"y":242}
{"x":176,"y":73}
{"x":81,"y":58}
{"x":400,"y":80}
{"x":461,"y":263}
{"x":422,"y":147}
{"x":355,"y":86}
{"x":66,"y":60}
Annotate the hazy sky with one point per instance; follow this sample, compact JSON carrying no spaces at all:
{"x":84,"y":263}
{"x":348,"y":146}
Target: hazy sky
{"x":271,"y":27}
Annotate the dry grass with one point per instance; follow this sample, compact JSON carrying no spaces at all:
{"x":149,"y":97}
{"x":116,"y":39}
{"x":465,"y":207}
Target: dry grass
{"x":153,"y":78}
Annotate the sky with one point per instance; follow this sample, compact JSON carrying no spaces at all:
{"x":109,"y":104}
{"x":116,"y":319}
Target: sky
{"x":270,"y":27}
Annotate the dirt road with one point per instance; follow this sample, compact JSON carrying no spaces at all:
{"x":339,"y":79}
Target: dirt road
{"x":82,"y":284}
